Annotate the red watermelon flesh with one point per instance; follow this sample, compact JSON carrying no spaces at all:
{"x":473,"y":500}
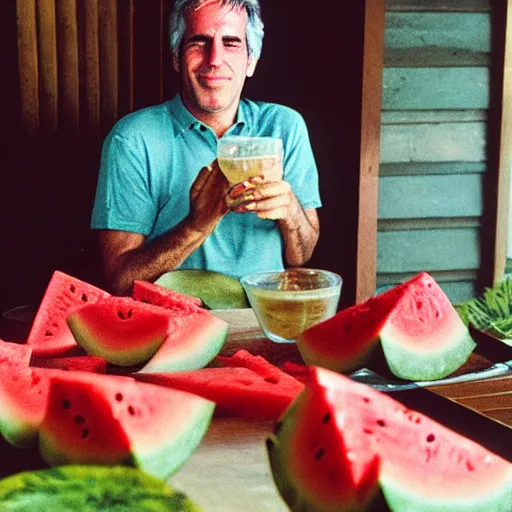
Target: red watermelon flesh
{"x":421,"y":334}
{"x":15,"y":352}
{"x":122,"y":330}
{"x":94,"y":364}
{"x":424,"y":466}
{"x":248,"y":387}
{"x":50,"y":334}
{"x":164,"y":297}
{"x":189,"y":345}
{"x":23,"y":395}
{"x":108,"y":419}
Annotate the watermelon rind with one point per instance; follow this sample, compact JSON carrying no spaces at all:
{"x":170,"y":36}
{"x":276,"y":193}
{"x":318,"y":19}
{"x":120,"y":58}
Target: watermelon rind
{"x":122,"y":330}
{"x":423,"y":465}
{"x":90,"y":489}
{"x":189,"y":345}
{"x":111,"y":420}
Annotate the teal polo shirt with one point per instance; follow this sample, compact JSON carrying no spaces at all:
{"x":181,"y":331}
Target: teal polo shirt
{"x":151,"y":158}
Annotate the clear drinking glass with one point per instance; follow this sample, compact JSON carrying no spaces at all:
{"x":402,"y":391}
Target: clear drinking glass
{"x":287,"y":302}
{"x":241,"y":158}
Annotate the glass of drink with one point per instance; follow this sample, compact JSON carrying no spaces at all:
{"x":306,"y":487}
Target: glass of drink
{"x":241,"y":158}
{"x":287,"y":302}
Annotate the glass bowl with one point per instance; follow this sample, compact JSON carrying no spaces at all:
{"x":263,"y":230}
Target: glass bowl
{"x":287,"y":302}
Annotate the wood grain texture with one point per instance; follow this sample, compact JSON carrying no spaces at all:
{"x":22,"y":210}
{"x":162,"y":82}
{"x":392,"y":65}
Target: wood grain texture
{"x":68,"y":69}
{"x":28,"y":65}
{"x":47,"y":54}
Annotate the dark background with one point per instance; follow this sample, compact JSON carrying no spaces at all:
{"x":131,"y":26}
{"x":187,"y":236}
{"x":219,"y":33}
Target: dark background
{"x":311,"y":61}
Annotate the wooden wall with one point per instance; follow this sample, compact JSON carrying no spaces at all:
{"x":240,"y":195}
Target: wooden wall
{"x":438,"y":172}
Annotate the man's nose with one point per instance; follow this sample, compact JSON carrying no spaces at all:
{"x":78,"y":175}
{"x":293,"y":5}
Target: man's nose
{"x":216,"y":56}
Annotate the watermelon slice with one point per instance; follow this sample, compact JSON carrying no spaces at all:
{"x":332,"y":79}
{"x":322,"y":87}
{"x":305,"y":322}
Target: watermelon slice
{"x":248,"y":387}
{"x":95,"y":364}
{"x":164,"y":297}
{"x":23,"y":395}
{"x":341,"y":440}
{"x":421,"y":334}
{"x":50,"y":334}
{"x":122,"y":330}
{"x":111,"y":420}
{"x":15,"y":352}
{"x":189,"y":345}
{"x":90,"y":489}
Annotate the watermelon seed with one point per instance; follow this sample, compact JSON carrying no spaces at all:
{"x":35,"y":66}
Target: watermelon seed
{"x":419,"y":304}
{"x":119,"y":397}
{"x":48,"y":333}
{"x":85,"y":433}
{"x":271,"y":380}
{"x":72,"y":288}
{"x":368,"y":431}
{"x":79,"y":419}
{"x":366,"y":400}
{"x":470,"y":465}
{"x":243,"y":382}
{"x":381,"y":423}
{"x":66,"y":403}
{"x":131,"y":410}
{"x":437,"y":314}
{"x":431,"y":438}
{"x":319,"y":454}
{"x":414,"y":418}
{"x":84,"y":298}
{"x":327,"y":417}
{"x":130,"y":313}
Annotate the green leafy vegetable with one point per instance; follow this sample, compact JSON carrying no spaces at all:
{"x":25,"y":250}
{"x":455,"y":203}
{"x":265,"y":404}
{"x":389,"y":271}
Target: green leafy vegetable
{"x":491,"y":312}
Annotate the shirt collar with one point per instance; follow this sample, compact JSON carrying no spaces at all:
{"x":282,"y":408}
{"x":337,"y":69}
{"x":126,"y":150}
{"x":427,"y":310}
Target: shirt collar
{"x":187,"y":121}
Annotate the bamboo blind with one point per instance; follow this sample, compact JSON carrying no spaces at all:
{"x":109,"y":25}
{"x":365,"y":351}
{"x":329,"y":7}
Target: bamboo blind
{"x":85,"y":63}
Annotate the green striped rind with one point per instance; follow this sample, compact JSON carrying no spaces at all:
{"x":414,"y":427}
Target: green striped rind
{"x":90,"y":489}
{"x":190,"y":347}
{"x":399,"y":499}
{"x":88,"y":339}
{"x":407,"y":363}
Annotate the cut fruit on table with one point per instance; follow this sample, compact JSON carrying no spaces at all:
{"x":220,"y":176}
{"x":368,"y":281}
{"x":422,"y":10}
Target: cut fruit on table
{"x":413,"y":324}
{"x":342,"y":446}
{"x":115,"y":420}
{"x":90,"y":489}
{"x":247,"y":386}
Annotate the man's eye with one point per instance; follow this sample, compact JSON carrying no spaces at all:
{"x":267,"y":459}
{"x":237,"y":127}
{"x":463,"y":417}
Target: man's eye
{"x":229,"y":43}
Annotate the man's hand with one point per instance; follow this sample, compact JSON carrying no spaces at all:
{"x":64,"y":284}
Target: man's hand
{"x":268,"y":199}
{"x":207,"y":198}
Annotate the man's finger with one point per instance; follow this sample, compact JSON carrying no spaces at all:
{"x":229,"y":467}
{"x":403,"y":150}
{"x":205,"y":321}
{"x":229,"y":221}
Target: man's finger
{"x":199,"y":182}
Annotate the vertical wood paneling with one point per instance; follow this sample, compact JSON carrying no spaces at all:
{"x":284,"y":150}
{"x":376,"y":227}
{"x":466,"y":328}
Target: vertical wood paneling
{"x":370,"y":147}
{"x":125,"y":40}
{"x":67,"y":57}
{"x":89,"y":68}
{"x":503,"y":229}
{"x":47,"y":48}
{"x":28,"y":65}
{"x":107,"y":35}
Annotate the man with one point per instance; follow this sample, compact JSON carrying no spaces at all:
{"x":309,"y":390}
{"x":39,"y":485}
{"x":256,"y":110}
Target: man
{"x":162,"y":202}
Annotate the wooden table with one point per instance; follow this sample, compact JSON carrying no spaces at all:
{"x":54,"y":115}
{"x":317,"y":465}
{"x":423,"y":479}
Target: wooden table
{"x":229,"y":472}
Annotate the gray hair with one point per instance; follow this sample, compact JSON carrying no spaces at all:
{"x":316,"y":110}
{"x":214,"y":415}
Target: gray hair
{"x":254,"y":24}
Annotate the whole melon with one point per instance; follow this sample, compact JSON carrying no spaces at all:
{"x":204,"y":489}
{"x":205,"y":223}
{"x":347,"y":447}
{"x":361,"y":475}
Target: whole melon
{"x":341,"y":444}
{"x":216,"y":290}
{"x":90,"y":489}
{"x":421,"y":335}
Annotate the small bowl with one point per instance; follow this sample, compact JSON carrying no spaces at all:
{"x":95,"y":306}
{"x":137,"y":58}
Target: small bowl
{"x":287,"y":302}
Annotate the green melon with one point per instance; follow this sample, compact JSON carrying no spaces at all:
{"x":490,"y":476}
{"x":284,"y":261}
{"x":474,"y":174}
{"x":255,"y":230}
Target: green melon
{"x":112,"y":420}
{"x":421,"y":334}
{"x":216,"y":290}
{"x":341,"y":442}
{"x":90,"y":489}
{"x":124,"y":331}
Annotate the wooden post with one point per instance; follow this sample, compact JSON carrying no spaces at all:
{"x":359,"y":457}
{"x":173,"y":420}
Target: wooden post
{"x":373,"y":56}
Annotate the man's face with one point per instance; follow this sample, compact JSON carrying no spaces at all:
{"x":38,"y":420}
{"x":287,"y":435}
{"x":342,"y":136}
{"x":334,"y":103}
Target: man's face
{"x":214,"y":60}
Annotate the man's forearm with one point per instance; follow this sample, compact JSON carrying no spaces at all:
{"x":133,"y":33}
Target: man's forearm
{"x":300,"y":233}
{"x":150,"y":261}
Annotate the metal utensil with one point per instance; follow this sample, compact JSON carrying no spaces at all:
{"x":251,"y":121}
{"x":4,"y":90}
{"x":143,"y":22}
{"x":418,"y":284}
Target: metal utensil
{"x":376,"y":381}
